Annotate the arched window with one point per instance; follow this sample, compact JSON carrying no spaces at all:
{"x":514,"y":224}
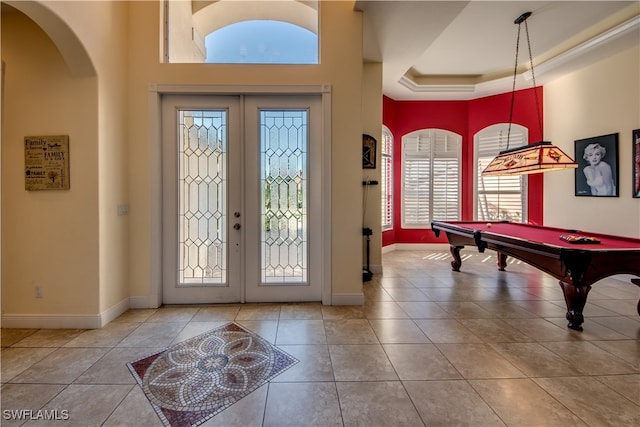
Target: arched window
{"x":253,"y":32}
{"x":386,"y":189}
{"x":430,"y":177}
{"x":499,"y":197}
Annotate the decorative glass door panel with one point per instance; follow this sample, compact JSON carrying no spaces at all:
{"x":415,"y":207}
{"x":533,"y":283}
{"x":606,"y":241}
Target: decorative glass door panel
{"x":241,"y":199}
{"x":284,"y":181}
{"x":202,"y":187}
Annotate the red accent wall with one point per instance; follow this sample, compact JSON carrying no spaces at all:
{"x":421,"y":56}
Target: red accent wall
{"x":465,"y":118}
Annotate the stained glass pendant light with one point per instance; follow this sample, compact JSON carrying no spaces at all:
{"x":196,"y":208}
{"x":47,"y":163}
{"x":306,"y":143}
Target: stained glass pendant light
{"x":533,"y":158}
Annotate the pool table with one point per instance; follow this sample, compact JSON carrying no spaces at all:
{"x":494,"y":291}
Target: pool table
{"x":577,"y":265}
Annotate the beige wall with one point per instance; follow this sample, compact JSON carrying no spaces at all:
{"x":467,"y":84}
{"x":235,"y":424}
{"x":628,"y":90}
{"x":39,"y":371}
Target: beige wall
{"x":372,"y":113}
{"x":597,"y":100}
{"x":341,"y":67}
{"x":49,"y":238}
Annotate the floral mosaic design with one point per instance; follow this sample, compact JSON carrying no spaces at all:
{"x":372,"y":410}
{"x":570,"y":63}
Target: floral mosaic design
{"x":198,"y":378}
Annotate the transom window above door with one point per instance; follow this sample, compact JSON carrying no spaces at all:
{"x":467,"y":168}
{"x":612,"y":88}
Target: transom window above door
{"x":240,"y":31}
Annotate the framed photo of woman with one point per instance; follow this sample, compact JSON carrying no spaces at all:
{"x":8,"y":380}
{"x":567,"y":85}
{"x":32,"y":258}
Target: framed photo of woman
{"x":597,"y":172}
{"x":636,"y":163}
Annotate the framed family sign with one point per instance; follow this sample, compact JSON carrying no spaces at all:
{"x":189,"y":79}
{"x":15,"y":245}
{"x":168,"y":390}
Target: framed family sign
{"x":46,"y":162}
{"x":597,"y":172}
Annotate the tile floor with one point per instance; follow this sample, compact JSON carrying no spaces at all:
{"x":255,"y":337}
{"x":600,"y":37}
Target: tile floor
{"x":429,"y":347}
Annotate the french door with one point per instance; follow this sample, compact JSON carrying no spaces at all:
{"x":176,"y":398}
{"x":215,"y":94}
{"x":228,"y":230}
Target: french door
{"x":241,"y":198}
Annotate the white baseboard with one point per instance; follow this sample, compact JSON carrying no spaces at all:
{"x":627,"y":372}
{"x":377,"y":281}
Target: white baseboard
{"x":52,"y":321}
{"x":415,"y":246}
{"x":347,"y":299}
{"x":65,"y":321}
{"x":376,"y":269}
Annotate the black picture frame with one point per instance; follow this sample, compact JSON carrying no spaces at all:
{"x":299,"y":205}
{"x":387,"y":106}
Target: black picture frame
{"x":368,"y":152}
{"x":635,"y":175}
{"x":603,"y":178}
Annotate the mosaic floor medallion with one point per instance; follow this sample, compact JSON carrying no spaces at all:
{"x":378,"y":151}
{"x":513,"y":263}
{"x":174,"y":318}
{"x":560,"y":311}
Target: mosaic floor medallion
{"x":196,"y":379}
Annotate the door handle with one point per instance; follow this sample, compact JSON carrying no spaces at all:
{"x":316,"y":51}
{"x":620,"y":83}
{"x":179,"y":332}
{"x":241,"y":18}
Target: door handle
{"x":236,"y":226}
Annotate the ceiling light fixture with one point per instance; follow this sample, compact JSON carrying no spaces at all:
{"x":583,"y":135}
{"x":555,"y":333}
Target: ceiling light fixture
{"x":533,"y":158}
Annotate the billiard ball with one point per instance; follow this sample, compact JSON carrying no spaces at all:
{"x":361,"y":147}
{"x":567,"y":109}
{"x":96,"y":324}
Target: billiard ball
{"x":488,"y":225}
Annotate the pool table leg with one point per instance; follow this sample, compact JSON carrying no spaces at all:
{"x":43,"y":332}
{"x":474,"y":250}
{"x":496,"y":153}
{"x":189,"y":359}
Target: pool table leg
{"x":637,"y":283}
{"x":502,"y":261}
{"x":575,"y":296}
{"x":457,"y":261}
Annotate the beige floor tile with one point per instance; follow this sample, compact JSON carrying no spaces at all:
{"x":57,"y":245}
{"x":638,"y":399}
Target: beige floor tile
{"x":222,"y":312}
{"x":87,"y":405}
{"x":478,"y":361}
{"x":338,"y":312}
{"x":193,"y":329}
{"x":307,"y":311}
{"x":349,"y":331}
{"x":423,"y":310}
{"x":541,"y":329}
{"x":376,"y":294}
{"x":626,"y":385}
{"x":361,"y":363}
{"x":585,"y":397}
{"x":420,"y":362}
{"x":521,"y":402}
{"x":395,"y":282}
{"x":62,"y":366}
{"x":595,"y":361}
{"x":49,"y":338}
{"x":153,"y":334}
{"x":390,"y":331}
{"x":135,"y":409}
{"x":407,"y":294}
{"x":172,"y":314}
{"x":624,"y":325}
{"x":535,"y":360}
{"x":112,"y":367}
{"x":302,"y":404}
{"x":376,"y":404}
{"x":16,"y":398}
{"x":450,"y":403}
{"x":384,"y":310}
{"x":447,"y":331}
{"x":108,"y":336}
{"x":464,"y":310}
{"x":267,"y":329}
{"x":247,"y":412}
{"x":9,"y":337}
{"x":15,"y":360}
{"x":259,"y":312}
{"x":627,"y":350}
{"x":314,"y":364}
{"x":494,"y":330}
{"x":301,"y":332}
{"x":136,"y":315}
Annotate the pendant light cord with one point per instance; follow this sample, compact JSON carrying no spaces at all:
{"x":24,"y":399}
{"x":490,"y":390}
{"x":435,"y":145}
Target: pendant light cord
{"x":513,"y":88}
{"x":523,"y":18}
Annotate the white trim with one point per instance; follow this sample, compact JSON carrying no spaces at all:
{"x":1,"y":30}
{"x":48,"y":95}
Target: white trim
{"x":155,"y":171}
{"x":376,"y":269}
{"x":65,"y":321}
{"x":347,"y":299}
{"x":415,"y":246}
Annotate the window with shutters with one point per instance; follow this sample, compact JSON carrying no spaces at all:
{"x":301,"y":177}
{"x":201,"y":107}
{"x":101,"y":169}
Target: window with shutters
{"x":430,"y":177}
{"x":499,"y":197}
{"x":386,"y":189}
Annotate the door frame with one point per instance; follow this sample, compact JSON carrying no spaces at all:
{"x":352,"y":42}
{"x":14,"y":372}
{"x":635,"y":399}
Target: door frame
{"x":155,"y":93}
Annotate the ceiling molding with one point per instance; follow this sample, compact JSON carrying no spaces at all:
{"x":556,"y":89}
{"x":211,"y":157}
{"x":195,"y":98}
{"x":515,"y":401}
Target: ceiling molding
{"x":600,"y":46}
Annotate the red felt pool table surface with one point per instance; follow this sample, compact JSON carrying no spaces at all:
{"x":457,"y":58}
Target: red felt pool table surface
{"x":576,"y":265}
{"x":550,"y":235}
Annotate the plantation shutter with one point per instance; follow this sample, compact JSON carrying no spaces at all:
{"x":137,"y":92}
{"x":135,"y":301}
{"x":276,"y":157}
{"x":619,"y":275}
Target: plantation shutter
{"x":387,"y":180}
{"x":499,"y":197}
{"x":431,"y":177}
